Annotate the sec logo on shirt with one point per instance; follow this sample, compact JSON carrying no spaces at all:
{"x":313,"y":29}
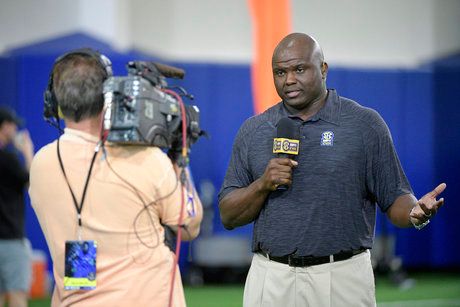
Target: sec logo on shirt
{"x":327,"y":138}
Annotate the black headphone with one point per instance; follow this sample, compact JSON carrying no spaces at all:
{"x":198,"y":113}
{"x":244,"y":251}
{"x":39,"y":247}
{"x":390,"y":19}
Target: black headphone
{"x":50,"y":110}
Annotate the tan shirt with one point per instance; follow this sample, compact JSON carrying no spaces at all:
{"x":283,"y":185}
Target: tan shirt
{"x":127,"y":197}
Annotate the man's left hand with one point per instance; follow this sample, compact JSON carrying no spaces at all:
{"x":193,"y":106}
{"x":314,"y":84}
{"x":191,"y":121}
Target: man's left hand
{"x":427,"y":206}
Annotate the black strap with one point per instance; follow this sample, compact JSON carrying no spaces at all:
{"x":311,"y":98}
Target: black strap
{"x":77,"y":207}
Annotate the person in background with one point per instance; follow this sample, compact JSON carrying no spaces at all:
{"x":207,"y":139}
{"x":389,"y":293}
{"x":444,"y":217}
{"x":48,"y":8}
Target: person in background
{"x":311,"y":241}
{"x":15,"y":250}
{"x":385,"y":262}
{"x":104,"y":208}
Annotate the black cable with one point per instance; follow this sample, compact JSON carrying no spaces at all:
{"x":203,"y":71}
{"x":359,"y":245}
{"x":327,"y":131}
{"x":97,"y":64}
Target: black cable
{"x":145,"y":206}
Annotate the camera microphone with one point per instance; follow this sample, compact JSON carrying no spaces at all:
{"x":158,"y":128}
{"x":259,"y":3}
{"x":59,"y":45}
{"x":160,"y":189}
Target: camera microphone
{"x":170,"y":71}
{"x":286,"y":144}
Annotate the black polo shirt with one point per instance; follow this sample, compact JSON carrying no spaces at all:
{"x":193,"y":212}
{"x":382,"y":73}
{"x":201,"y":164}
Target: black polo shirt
{"x":347,"y":164}
{"x":13,"y":180}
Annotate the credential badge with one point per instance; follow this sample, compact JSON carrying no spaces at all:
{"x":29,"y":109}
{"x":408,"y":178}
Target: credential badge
{"x":327,"y":138}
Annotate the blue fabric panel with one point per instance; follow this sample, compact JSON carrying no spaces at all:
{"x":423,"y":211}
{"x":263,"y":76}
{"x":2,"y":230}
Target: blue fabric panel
{"x":223,"y":94}
{"x":8,"y":91}
{"x":418,"y":160}
{"x":404,"y":99}
{"x":32,"y":74}
{"x":421,"y":108}
{"x":379,"y":90}
{"x":446,"y":143}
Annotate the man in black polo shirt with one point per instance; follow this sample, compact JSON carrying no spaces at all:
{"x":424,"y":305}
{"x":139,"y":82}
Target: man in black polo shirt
{"x":15,"y":252}
{"x":311,"y":241}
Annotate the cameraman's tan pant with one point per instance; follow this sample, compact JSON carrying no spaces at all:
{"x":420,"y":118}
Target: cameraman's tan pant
{"x":344,"y":283}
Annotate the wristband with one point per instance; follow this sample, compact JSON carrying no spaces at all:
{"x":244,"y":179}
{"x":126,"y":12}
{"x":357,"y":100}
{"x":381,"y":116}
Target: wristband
{"x":420,"y":226}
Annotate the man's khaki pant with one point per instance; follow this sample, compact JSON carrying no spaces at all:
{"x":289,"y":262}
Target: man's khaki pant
{"x":344,"y":283}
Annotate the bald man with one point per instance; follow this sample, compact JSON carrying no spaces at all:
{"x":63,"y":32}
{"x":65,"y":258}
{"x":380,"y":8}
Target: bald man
{"x":311,"y":242}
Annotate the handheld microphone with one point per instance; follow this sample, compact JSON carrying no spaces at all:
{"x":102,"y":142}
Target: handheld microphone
{"x":287,"y":143}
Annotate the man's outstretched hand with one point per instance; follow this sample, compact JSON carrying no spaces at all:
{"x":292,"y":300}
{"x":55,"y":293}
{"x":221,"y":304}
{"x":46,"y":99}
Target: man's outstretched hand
{"x":427,"y":206}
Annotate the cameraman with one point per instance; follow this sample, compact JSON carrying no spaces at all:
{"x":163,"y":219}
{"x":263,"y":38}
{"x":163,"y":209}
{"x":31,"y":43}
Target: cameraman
{"x":120,"y":195}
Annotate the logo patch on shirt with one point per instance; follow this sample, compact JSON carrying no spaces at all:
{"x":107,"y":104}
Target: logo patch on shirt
{"x":327,"y":138}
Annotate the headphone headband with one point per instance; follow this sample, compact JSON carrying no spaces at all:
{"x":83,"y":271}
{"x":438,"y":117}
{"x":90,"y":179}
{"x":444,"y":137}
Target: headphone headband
{"x":102,"y":59}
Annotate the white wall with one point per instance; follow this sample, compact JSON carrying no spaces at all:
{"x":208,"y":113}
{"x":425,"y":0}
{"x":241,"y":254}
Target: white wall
{"x":376,"y":33}
{"x":107,"y":20}
{"x":355,"y":32}
{"x":201,"y":30}
{"x":446,"y":26}
{"x":26,"y":21}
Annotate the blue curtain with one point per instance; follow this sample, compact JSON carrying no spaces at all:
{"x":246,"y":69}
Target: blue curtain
{"x":421,"y":107}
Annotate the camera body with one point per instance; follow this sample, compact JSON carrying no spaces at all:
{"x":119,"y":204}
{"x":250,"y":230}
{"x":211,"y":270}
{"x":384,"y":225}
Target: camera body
{"x":140,"y":112}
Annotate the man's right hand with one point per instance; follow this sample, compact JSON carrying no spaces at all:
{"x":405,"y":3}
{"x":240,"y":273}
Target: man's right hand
{"x":241,"y":206}
{"x":278,"y":172}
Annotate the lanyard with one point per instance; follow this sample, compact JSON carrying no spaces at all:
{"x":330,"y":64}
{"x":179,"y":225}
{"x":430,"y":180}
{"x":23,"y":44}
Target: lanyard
{"x":79,"y":208}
